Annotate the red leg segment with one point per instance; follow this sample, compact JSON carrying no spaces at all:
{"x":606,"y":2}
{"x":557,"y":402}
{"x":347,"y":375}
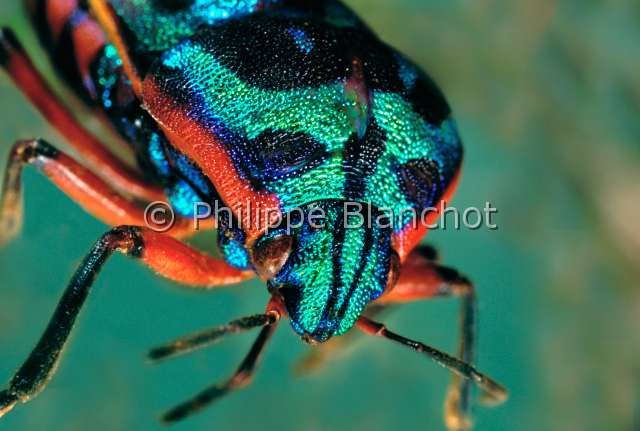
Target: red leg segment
{"x":422,"y":278}
{"x":177,"y":261}
{"x":92,"y":193}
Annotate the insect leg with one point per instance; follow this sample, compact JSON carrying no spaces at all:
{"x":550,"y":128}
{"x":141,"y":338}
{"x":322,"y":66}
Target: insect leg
{"x":91,"y":192}
{"x":422,"y":278}
{"x":493,"y":391}
{"x":241,"y":378}
{"x":167,"y":256}
{"x":28,"y":79}
{"x":209,"y":337}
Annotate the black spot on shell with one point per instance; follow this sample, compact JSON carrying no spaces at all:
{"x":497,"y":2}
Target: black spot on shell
{"x":274,"y":154}
{"x":172,"y":6}
{"x":420,"y":181}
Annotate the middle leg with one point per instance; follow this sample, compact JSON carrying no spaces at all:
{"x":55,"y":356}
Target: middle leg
{"x":96,"y":196}
{"x":14,"y":59}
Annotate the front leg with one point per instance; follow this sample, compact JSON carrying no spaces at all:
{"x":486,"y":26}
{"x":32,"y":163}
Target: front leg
{"x":422,"y":278}
{"x":167,"y":256}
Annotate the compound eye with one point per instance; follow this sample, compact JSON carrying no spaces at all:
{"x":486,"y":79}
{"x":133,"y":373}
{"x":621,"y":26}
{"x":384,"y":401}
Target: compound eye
{"x":270,"y":255}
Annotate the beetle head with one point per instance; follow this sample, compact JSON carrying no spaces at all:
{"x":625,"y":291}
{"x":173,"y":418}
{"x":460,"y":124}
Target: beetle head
{"x":327,"y":264}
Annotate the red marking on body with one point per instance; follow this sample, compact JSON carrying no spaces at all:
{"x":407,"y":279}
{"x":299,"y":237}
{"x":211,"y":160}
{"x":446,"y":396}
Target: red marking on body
{"x":58,"y":14}
{"x":409,"y":237}
{"x":256,"y":210}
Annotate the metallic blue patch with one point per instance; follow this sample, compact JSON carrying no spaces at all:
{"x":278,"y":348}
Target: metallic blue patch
{"x":158,"y":28}
{"x":301,"y":39}
{"x":158,"y":157}
{"x":182,"y":198}
{"x":407,"y":73}
{"x":235,"y":254}
{"x":190,"y":172}
{"x":231,"y":242}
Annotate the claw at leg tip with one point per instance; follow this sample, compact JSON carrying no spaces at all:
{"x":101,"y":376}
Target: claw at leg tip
{"x":495,"y":399}
{"x":7,"y":402}
{"x":455,"y":417}
{"x":458,"y":423}
{"x":169,"y":418}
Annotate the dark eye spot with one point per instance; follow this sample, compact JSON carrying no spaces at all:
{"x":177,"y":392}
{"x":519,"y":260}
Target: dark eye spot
{"x":269,"y":256}
{"x":420,"y":181}
{"x":275,"y":154}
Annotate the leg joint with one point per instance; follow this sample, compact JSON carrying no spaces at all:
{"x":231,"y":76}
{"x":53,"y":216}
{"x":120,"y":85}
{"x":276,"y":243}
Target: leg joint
{"x":28,"y":151}
{"x":458,"y":283}
{"x":428,"y":252}
{"x":125,"y":239}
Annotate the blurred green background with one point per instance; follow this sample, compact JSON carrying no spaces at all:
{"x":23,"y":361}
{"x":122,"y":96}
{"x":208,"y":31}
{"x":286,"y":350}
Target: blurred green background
{"x":547,"y":96}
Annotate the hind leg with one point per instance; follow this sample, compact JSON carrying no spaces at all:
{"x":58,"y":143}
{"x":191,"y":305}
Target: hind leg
{"x":28,"y":79}
{"x":91,"y":192}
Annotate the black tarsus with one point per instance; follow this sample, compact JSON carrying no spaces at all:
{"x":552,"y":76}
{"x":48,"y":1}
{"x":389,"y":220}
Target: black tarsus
{"x":208,"y":337}
{"x":241,"y":378}
{"x":494,"y":391}
{"x":40,"y":366}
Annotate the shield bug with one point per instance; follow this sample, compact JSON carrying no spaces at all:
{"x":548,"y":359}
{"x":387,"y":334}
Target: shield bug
{"x":290,"y":108}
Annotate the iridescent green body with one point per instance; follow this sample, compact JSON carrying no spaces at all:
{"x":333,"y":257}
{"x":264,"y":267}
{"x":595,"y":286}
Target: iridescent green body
{"x":311,"y":108}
